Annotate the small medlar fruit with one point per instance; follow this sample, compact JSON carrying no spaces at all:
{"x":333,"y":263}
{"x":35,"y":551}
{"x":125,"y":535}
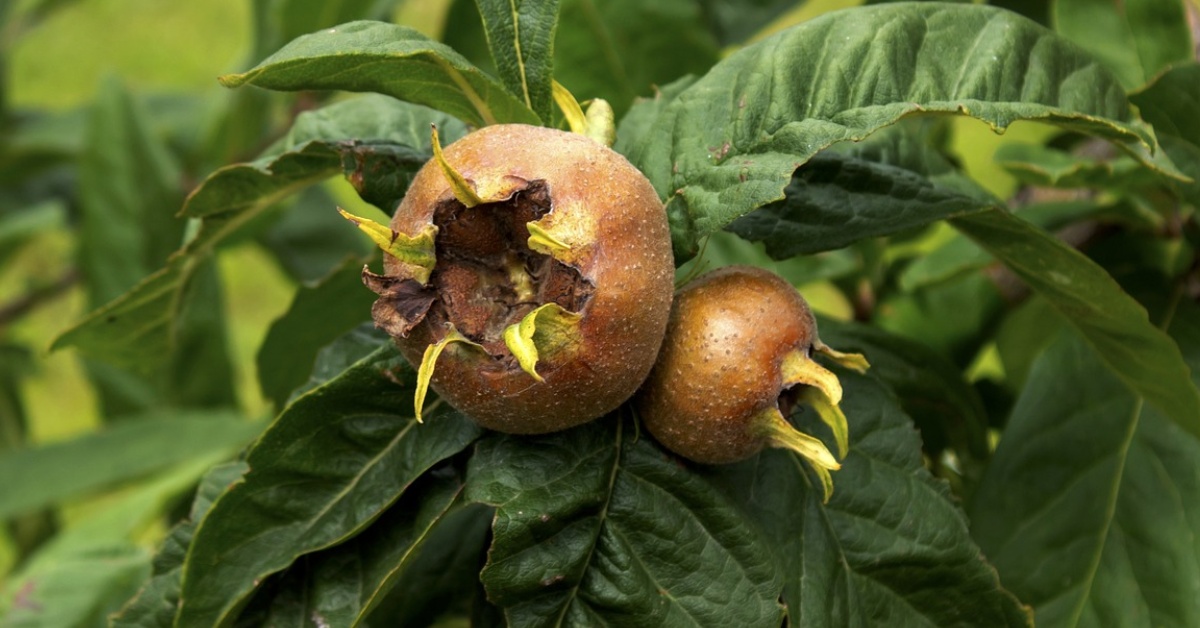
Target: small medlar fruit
{"x":736,"y":360}
{"x":533,"y":267}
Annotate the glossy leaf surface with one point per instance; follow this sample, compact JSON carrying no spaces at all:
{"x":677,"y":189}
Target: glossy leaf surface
{"x":730,"y":142}
{"x":336,"y":458}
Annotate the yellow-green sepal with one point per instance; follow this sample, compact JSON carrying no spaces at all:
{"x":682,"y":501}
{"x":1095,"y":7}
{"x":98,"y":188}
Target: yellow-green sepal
{"x":853,"y":361}
{"x":463,"y":190}
{"x":598,"y":123}
{"x":775,"y":429}
{"x":831,"y":414}
{"x":799,"y":369}
{"x":546,"y":330}
{"x":601,"y":122}
{"x":425,"y":371}
{"x":822,"y":390}
{"x":416,"y":251}
{"x":543,"y":241}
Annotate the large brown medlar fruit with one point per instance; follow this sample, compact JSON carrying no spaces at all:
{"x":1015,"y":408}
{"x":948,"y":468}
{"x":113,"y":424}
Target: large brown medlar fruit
{"x":533,"y":267}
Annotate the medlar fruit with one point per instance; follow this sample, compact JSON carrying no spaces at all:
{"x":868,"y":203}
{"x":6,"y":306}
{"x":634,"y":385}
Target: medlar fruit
{"x":736,"y":360}
{"x":533,"y":267}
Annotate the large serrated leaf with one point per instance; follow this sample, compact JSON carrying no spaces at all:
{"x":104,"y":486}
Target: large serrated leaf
{"x":1078,"y":288}
{"x":388,"y":59}
{"x":336,"y":458}
{"x":1090,"y":507}
{"x":597,"y":525}
{"x":730,"y":142}
{"x":142,"y":325}
{"x":520,"y":34}
{"x":890,"y":548}
{"x":891,"y":182}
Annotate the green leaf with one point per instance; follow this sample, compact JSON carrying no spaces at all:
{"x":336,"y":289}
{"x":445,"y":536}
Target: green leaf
{"x":335,"y":459}
{"x":318,"y":315}
{"x":392,"y":60}
{"x":1078,"y":288}
{"x":1141,"y":355}
{"x":596,"y":525}
{"x":1136,"y":39}
{"x":40,"y":476}
{"x":142,"y":325}
{"x":735,"y":21}
{"x":930,"y":388}
{"x":891,"y":182}
{"x":730,"y":142}
{"x":1172,"y":105}
{"x":21,"y":225}
{"x":313,"y":150}
{"x":946,"y":317}
{"x":280,"y":21}
{"x":129,"y":191}
{"x":622,"y":49}
{"x":959,"y":255}
{"x":309,"y":241}
{"x":417,"y":537}
{"x":520,"y":34}
{"x":890,"y":548}
{"x":154,"y":605}
{"x":1041,"y":165}
{"x":92,"y":566}
{"x":1090,"y":505}
{"x":81,"y":589}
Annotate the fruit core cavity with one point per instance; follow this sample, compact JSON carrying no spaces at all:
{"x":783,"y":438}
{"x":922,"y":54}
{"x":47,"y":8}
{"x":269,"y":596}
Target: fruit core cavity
{"x":486,"y":277}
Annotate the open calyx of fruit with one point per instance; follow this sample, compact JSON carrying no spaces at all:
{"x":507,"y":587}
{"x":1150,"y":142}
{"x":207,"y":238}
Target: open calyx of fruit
{"x":528,"y":275}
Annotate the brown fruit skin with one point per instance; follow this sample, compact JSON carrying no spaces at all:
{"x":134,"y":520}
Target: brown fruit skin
{"x":627,"y":258}
{"x":720,"y":362}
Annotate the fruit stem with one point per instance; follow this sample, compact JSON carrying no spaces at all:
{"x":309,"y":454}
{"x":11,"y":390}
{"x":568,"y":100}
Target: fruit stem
{"x":463,"y":190}
{"x":425,"y":372}
{"x":416,"y":251}
{"x":777,"y":432}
